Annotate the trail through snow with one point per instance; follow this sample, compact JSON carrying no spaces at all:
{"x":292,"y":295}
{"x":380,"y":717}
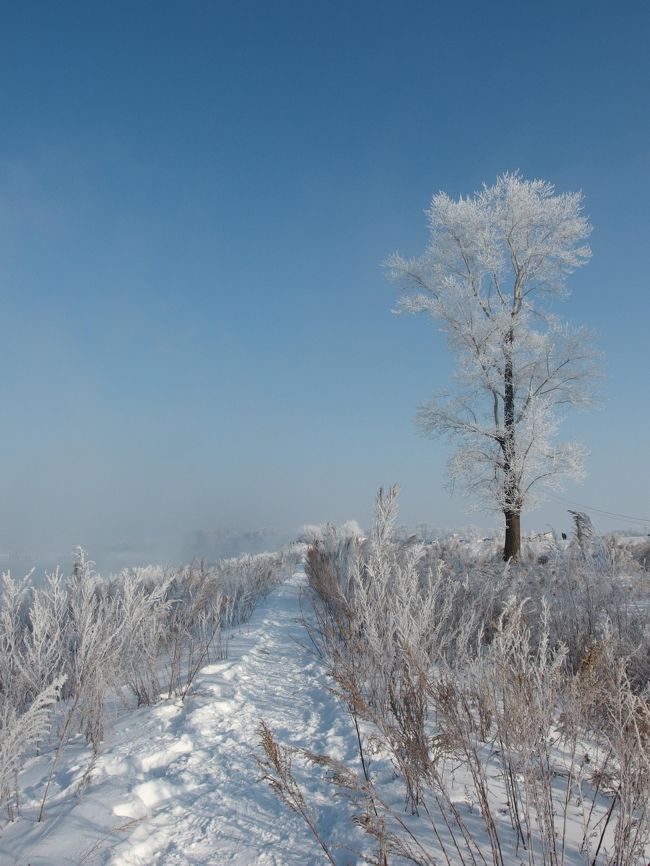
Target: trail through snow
{"x":177,"y":784}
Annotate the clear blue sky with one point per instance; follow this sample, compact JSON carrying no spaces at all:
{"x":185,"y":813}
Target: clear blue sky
{"x":195,"y":201}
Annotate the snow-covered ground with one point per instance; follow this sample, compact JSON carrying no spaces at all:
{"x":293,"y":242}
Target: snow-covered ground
{"x":177,"y":783}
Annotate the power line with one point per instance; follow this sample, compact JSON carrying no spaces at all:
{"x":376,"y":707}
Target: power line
{"x":629,"y":517}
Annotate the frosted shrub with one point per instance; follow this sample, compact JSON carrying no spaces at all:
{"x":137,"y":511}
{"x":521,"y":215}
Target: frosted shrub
{"x":96,"y":634}
{"x":42,"y":655}
{"x":193,"y":625}
{"x":608,"y":702}
{"x":586,"y":594}
{"x":19,"y":732}
{"x":13,"y":612}
{"x":521,"y":684}
{"x":144,"y":609}
{"x":247,"y":579}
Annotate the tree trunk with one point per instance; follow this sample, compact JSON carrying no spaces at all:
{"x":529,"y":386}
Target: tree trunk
{"x":511,"y":493}
{"x":512,"y":546}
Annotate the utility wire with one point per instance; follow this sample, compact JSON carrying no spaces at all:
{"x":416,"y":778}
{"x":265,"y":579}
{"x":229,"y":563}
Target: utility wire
{"x":629,"y":517}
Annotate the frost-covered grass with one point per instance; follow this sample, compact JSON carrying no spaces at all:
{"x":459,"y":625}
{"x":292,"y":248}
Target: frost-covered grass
{"x":510,"y":702}
{"x":71,"y":647}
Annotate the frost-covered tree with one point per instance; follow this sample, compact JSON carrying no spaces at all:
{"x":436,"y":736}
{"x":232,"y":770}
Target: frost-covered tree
{"x":493,"y":264}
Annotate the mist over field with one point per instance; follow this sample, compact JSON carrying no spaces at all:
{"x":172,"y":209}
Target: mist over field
{"x":199,"y":544}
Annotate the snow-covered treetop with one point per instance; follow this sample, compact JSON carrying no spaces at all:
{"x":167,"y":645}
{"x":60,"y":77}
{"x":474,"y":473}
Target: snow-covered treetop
{"x":493,"y":264}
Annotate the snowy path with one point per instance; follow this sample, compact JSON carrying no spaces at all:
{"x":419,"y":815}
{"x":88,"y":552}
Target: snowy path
{"x":177,"y":785}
